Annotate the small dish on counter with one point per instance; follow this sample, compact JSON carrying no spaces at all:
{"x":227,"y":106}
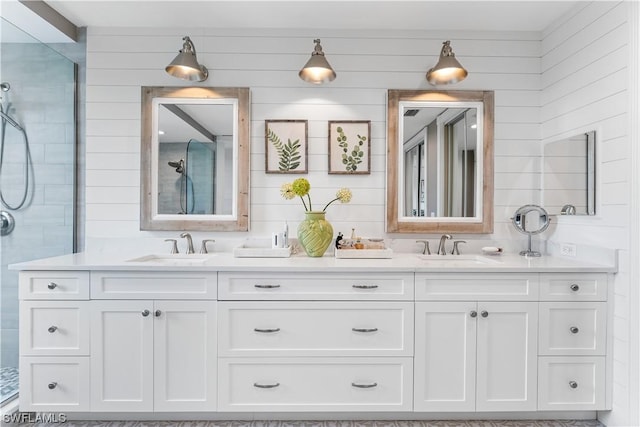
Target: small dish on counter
{"x":491,"y":250}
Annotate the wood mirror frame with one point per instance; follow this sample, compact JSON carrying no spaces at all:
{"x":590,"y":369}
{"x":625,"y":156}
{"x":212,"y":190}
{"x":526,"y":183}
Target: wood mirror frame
{"x":239,"y":219}
{"x":395,"y":222}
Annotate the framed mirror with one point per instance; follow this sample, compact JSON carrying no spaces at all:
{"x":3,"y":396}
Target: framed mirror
{"x":195,"y":159}
{"x":439,"y":161}
{"x":569,"y":175}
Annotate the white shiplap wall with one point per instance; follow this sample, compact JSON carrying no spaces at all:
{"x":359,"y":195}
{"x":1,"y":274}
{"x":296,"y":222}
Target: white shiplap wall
{"x":584,"y":87}
{"x":119,"y":61}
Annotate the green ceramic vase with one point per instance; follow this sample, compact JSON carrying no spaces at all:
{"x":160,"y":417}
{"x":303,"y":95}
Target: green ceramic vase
{"x":315,"y":233}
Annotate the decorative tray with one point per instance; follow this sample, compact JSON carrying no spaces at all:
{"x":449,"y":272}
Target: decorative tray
{"x":258,"y":250}
{"x":364,"y":253}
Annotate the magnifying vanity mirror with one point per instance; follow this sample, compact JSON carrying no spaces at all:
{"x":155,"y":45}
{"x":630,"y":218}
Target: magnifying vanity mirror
{"x":569,"y":175}
{"x":195,"y":159}
{"x":530,"y":220}
{"x":440,"y":161}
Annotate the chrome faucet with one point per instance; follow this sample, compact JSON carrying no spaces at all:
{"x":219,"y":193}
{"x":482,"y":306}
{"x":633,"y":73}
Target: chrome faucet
{"x":426,"y":250}
{"x":441,"y":247}
{"x":189,"y":242}
{"x":456,"y":250}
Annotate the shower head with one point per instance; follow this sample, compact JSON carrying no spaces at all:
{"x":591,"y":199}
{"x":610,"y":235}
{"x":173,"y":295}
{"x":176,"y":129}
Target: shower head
{"x":179,"y":165}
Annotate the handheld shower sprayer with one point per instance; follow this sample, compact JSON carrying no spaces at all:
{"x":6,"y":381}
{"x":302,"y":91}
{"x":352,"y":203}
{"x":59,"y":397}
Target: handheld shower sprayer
{"x":179,"y":165}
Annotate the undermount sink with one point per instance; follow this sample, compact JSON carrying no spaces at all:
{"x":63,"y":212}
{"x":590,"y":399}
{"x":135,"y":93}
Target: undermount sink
{"x":174,"y":259}
{"x":472,"y":259}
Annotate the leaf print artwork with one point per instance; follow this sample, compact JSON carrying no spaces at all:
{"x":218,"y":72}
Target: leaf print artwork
{"x":286,"y":146}
{"x":349,"y":145}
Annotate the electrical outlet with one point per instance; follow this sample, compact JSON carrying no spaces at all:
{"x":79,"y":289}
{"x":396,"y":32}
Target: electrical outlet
{"x":567,"y":249}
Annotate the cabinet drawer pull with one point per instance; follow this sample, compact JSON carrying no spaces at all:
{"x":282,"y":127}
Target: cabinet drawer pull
{"x":484,"y":313}
{"x":473,"y":313}
{"x":52,"y":385}
{"x":52,"y":329}
{"x":52,"y":285}
{"x":364,"y":329}
{"x":145,"y":313}
{"x":574,"y":329}
{"x":266,"y":286}
{"x":573,"y":384}
{"x":267,"y":330}
{"x":157,"y":313}
{"x":575,"y":287}
{"x":371,"y":385}
{"x":365,"y":286}
{"x":258,"y":385}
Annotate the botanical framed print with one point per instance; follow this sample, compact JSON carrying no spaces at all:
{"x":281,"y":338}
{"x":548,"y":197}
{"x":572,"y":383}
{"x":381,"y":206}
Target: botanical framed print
{"x":285,"y":146}
{"x":350,"y":147}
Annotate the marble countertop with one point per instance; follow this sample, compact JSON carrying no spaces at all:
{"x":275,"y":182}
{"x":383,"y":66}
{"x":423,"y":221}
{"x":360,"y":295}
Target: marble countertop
{"x":401,"y":262}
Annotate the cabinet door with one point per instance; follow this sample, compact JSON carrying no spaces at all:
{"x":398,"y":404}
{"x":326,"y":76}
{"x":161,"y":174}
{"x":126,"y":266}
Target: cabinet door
{"x":445,"y":346}
{"x":184,"y":356}
{"x":122,"y":356}
{"x":507,"y":356}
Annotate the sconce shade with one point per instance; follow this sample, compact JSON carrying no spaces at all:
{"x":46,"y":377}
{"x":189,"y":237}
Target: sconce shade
{"x":448,"y":70}
{"x":185,"y":66}
{"x":317,"y":69}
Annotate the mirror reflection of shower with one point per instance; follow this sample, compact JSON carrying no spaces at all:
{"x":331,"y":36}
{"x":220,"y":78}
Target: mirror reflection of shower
{"x":186,"y":187}
{"x":196,"y":186}
{"x":14,"y":140}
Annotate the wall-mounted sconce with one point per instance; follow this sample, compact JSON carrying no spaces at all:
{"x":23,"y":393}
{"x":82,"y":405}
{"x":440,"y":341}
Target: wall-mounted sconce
{"x":317,"y":69}
{"x":185,"y":66}
{"x":448,"y":70}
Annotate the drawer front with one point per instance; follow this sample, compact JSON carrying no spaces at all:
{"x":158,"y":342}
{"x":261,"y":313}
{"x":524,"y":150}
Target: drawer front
{"x":476,"y":287}
{"x":303,"y":328}
{"x":316,"y":286}
{"x":52,"y":285}
{"x":57,"y":384}
{"x":573,"y":287}
{"x":54,"y":328}
{"x":153,"y":285}
{"x":568,"y":328}
{"x":315,"y":384}
{"x":571,"y":383}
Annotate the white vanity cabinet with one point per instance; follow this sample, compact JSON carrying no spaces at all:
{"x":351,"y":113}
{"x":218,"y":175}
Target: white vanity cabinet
{"x":476,"y":346}
{"x":155,"y":354}
{"x":315,"y":342}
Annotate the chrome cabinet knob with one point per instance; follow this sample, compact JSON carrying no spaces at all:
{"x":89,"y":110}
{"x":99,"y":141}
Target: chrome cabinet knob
{"x":573,"y":384}
{"x":52,"y":329}
{"x":574,"y":287}
{"x":473,"y":313}
{"x":52,"y":385}
{"x":145,"y":313}
{"x":484,"y":313}
{"x":157,"y":313}
{"x":574,"y":329}
{"x":52,"y":285}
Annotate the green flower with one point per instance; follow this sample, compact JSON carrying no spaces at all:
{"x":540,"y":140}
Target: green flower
{"x":301,"y":187}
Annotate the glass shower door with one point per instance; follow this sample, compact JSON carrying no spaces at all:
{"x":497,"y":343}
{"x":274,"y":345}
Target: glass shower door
{"x":37,"y":171}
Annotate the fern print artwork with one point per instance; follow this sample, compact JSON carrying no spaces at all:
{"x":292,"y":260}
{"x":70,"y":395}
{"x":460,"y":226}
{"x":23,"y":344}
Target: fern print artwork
{"x":286,"y":146}
{"x":349,"y":146}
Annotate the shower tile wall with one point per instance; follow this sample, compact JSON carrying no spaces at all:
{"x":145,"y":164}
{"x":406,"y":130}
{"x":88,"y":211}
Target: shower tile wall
{"x":42,"y":100}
